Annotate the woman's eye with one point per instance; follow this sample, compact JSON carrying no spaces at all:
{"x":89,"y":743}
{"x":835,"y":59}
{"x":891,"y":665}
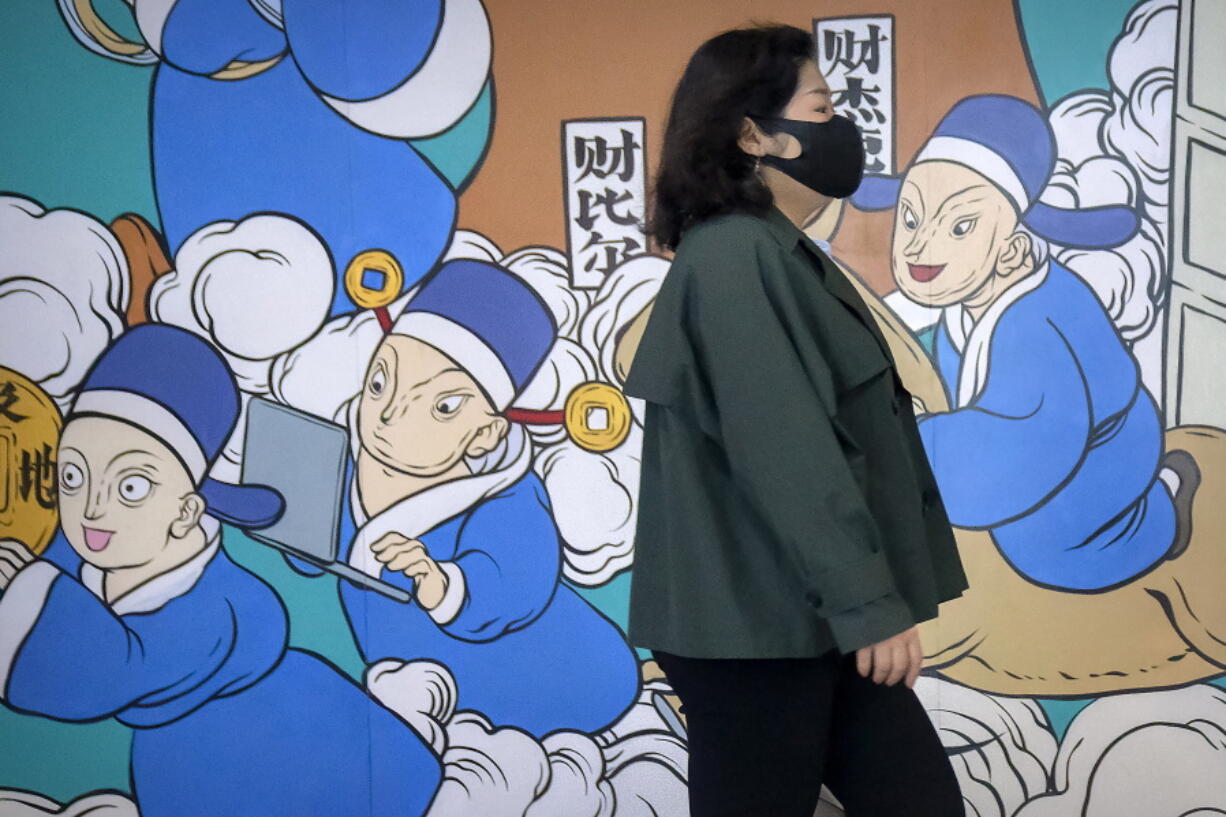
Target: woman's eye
{"x":71,"y":476}
{"x":378,"y":381}
{"x":908,"y":218}
{"x":134,"y":488}
{"x":964,"y":226}
{"x":450,"y":405}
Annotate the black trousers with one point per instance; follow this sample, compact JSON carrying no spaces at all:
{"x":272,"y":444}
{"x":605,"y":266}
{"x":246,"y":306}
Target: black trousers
{"x":765,"y":734}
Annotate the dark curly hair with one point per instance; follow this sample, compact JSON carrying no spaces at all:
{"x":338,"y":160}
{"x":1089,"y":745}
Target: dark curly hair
{"x":702,"y":172}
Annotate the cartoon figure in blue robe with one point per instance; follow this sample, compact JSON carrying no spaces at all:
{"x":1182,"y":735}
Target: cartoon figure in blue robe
{"x":308,"y":109}
{"x":137,"y":613}
{"x":1053,"y":444}
{"x":446,"y":505}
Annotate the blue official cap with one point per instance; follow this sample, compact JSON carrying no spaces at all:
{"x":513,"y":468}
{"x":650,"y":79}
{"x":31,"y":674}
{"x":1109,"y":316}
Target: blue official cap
{"x":487,"y":320}
{"x":174,"y":385}
{"x":1009,"y":142}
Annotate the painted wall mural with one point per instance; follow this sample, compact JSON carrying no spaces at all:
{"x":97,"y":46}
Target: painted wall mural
{"x":318,"y":485}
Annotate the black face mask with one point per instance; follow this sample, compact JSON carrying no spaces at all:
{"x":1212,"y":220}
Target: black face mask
{"x":831,"y":159}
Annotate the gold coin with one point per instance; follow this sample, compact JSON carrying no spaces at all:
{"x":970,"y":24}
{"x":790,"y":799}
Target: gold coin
{"x":373,"y":279}
{"x":29,"y":440}
{"x":597,"y":416}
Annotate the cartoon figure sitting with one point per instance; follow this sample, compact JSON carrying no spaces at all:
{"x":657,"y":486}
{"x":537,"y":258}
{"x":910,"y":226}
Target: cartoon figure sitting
{"x":1047,"y":447}
{"x":136,"y":612}
{"x":1058,"y":443}
{"x":446,"y":505}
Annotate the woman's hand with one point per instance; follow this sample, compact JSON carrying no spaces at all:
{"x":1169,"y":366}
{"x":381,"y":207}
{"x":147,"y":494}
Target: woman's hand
{"x":13,"y":557}
{"x":892,"y":660}
{"x":408,"y":556}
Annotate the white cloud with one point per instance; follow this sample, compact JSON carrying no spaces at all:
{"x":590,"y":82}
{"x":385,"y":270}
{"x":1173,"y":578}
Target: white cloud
{"x":594,"y":498}
{"x":64,"y":289}
{"x":1116,"y":149}
{"x":623,"y":295}
{"x":1002,"y":748}
{"x":503,"y":772}
{"x":255,"y":288}
{"x":1152,"y":753}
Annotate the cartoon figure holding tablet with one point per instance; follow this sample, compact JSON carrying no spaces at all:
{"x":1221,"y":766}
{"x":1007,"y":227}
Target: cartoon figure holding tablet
{"x":443,"y":503}
{"x":137,"y":613}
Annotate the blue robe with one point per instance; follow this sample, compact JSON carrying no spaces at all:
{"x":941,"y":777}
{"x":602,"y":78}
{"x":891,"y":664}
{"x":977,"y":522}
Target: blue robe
{"x":227,"y":720}
{"x":269,"y":143}
{"x":1058,"y":452}
{"x":525,"y":649}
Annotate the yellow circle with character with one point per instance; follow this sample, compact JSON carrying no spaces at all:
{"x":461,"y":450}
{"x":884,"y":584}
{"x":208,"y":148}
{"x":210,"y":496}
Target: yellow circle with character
{"x":597,"y":416}
{"x":29,"y":440}
{"x":373,"y":279}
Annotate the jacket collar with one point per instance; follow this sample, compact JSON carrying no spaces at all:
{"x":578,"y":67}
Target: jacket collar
{"x":785,"y":232}
{"x":790,"y":237}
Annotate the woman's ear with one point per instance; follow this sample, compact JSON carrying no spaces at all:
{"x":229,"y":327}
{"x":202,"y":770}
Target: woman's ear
{"x":1017,"y":255}
{"x":191,"y":508}
{"x":752,"y":140}
{"x":488,"y":437}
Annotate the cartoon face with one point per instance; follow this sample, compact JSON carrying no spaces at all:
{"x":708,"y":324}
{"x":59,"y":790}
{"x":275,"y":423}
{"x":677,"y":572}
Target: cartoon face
{"x":124,"y":497}
{"x":951,"y":229}
{"x":420,"y":413}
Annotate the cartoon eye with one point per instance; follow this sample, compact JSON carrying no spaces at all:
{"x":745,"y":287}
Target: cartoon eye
{"x":71,"y":476}
{"x":378,"y":380}
{"x":908,"y":218}
{"x":963,"y":226}
{"x":450,"y":405}
{"x":134,"y":488}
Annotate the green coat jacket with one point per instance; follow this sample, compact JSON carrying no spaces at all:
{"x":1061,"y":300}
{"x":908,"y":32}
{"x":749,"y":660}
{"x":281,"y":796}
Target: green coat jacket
{"x":786,"y":506}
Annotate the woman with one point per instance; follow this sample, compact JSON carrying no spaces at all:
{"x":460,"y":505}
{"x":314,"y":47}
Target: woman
{"x":790,"y":532}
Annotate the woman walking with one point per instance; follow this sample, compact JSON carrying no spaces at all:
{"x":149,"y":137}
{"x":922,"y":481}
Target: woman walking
{"x":790,"y":533}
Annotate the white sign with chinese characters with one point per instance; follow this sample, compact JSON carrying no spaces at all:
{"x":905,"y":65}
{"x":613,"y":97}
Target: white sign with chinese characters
{"x":856,"y":55}
{"x":603,"y":168}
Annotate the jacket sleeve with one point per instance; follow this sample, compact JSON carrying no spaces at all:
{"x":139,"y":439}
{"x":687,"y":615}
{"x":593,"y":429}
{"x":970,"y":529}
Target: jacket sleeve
{"x":772,"y":390}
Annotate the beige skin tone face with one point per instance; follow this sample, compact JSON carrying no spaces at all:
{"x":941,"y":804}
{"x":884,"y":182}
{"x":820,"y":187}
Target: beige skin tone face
{"x":956,"y":238}
{"x":127,"y":504}
{"x":811,"y":102}
{"x":419,"y":416}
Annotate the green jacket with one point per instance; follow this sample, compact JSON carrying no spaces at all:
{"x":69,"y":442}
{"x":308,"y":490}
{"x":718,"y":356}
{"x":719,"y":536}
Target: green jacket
{"x":786,"y":505}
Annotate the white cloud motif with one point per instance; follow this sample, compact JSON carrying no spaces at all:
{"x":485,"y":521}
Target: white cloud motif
{"x":594,"y":497}
{"x":503,"y":772}
{"x":1152,"y":753}
{"x":1116,"y":149}
{"x":64,"y":289}
{"x":1002,"y":748}
{"x":621,"y":297}
{"x":255,"y":288}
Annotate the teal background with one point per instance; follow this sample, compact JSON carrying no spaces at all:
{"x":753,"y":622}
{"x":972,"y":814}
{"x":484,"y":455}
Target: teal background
{"x":1068,"y":42}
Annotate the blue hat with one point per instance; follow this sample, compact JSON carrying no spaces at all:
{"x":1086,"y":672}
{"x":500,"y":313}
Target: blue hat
{"x":1009,"y":142}
{"x":487,"y":320}
{"x":175,"y":386}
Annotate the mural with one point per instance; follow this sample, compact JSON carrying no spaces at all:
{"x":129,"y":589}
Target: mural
{"x":315,"y":499}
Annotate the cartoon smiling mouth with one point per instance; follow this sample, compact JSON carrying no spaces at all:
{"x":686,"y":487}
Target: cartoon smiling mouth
{"x":925,"y":272}
{"x":97,"y":540}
